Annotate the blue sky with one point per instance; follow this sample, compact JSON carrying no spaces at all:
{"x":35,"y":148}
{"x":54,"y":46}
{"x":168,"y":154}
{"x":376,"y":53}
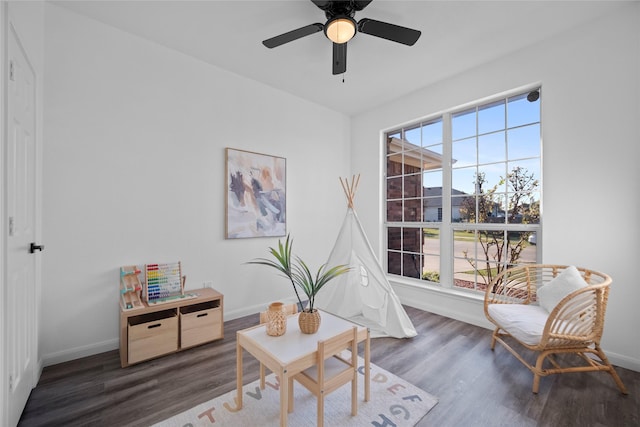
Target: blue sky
{"x":498,"y":137}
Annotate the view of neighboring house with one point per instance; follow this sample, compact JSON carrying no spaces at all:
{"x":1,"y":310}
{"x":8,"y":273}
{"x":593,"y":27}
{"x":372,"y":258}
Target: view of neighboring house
{"x":433,"y":204}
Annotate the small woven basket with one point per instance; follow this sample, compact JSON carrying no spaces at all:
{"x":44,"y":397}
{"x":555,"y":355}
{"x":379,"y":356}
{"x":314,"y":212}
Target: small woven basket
{"x":276,"y":319}
{"x":309,"y":322}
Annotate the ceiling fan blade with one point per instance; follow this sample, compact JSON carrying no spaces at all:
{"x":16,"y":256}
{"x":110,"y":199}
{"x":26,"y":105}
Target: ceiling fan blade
{"x":339,"y":58}
{"x":292,"y":35}
{"x":392,"y":32}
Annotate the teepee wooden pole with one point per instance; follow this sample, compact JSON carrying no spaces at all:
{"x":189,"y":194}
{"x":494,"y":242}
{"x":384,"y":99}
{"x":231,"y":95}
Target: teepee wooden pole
{"x":350,"y":188}
{"x":356,"y":182}
{"x":346,"y":191}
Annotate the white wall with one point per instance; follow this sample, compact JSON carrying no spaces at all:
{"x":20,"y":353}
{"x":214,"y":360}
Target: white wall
{"x":134,"y":173}
{"x":590,"y":83}
{"x":119,"y":109}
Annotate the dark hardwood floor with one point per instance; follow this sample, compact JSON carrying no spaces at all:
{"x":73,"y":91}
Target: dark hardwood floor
{"x":449,"y":359}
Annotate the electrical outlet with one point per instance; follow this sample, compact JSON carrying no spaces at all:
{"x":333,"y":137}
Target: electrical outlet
{"x":208,"y":284}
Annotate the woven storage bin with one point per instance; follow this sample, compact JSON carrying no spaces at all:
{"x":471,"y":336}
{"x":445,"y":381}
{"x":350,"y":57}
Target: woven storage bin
{"x":276,"y":319}
{"x":309,"y":322}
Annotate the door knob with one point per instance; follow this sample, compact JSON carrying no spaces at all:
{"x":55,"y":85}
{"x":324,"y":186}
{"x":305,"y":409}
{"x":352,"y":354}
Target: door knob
{"x":33,"y":248}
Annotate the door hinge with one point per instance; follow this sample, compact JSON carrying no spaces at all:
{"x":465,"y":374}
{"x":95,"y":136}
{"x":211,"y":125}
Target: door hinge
{"x":10,"y":226}
{"x":10,"y":383}
{"x":11,"y":72}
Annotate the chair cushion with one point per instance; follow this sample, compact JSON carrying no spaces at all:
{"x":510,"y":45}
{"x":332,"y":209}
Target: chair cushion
{"x":569,"y":280}
{"x":524,"y":322}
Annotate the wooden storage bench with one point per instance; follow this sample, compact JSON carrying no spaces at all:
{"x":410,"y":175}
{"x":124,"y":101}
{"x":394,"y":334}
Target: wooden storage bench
{"x":158,"y":329}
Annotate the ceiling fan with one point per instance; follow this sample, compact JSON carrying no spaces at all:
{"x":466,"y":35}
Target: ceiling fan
{"x":342,"y":27}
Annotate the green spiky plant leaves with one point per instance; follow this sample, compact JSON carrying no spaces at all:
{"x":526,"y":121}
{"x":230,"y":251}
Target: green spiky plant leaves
{"x":299,"y":273}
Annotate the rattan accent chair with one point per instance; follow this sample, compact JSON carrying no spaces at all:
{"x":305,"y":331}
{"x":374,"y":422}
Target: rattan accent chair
{"x":514,"y":304}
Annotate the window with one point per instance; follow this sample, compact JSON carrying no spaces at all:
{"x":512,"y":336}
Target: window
{"x":463,"y":193}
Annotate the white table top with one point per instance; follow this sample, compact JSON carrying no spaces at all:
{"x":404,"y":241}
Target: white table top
{"x":294,"y":344}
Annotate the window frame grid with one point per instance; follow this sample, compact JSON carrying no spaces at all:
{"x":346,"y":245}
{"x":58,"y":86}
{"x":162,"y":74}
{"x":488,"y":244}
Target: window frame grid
{"x":447,"y":226}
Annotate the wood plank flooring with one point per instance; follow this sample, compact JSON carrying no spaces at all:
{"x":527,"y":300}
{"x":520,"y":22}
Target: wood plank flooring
{"x":449,"y":359}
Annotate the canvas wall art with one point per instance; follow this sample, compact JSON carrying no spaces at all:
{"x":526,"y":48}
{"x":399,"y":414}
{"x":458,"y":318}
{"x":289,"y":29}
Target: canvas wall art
{"x":256,"y":195}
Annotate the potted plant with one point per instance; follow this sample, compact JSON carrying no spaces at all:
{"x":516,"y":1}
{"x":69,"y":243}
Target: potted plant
{"x":301,"y":277}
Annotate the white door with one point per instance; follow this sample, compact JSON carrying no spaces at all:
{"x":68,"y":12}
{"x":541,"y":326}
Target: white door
{"x":20,"y":320}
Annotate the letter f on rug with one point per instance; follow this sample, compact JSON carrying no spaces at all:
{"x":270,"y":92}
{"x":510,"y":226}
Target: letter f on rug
{"x":394,"y":402}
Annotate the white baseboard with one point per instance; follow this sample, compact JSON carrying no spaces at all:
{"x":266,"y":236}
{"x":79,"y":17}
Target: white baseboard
{"x":79,"y":352}
{"x":114,"y":344}
{"x":460,"y":306}
{"x":623,"y":361}
{"x":256,"y":308}
{"x":454,"y":305}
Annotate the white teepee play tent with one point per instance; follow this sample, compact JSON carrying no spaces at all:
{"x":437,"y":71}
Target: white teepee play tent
{"x":363,"y":295}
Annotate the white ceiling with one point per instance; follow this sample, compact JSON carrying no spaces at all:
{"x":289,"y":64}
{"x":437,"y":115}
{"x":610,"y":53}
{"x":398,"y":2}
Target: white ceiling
{"x":456,"y":36}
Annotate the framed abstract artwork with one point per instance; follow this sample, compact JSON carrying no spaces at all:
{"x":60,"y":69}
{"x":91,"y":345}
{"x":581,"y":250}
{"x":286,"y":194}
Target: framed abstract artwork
{"x":255,"y":195}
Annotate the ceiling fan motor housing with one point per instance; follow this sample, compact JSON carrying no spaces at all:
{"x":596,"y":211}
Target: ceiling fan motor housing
{"x":345,"y":8}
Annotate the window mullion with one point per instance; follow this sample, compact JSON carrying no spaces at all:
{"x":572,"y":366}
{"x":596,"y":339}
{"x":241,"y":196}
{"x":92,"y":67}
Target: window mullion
{"x":446,"y":233}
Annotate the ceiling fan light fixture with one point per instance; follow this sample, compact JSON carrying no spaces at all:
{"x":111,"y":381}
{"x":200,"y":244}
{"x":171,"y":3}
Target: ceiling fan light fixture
{"x":340,"y":29}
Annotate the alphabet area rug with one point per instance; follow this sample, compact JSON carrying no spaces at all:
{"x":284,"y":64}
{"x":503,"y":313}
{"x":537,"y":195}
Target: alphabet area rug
{"x":394,"y":402}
